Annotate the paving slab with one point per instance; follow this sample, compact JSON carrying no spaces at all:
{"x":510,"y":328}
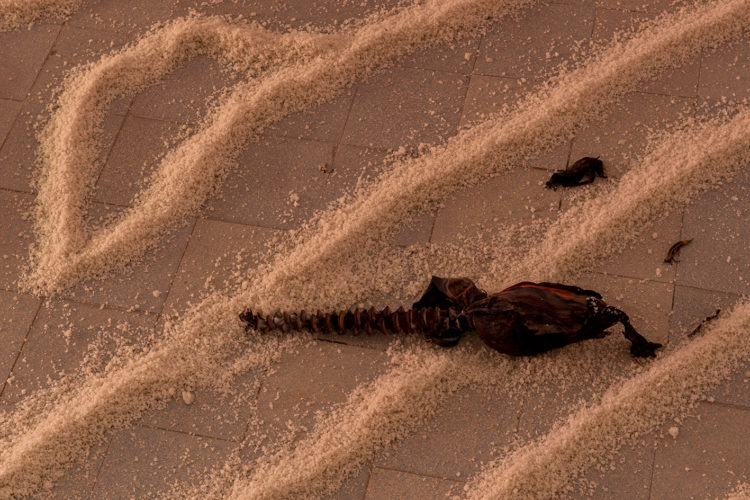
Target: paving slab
{"x":141,"y":286}
{"x":405,"y":107}
{"x":22,"y":53}
{"x":533,"y":45}
{"x":644,"y":257}
{"x":134,"y":16}
{"x":691,"y":308}
{"x":486,"y":423}
{"x":78,"y":481}
{"x":320,"y":122}
{"x":708,"y":456}
{"x":184,"y":95}
{"x":355,"y":487}
{"x":455,"y":57}
{"x":622,"y":135}
{"x":386,"y":484}
{"x":141,"y":143}
{"x":279,"y":182}
{"x":60,"y":338}
{"x":725,"y":73}
{"x":628,"y":476}
{"x":647,"y":303}
{"x":320,"y":14}
{"x":693,"y":305}
{"x":19,"y":167}
{"x":491,"y":95}
{"x":308,"y":382}
{"x":209,"y":414}
{"x":718,"y":216}
{"x":513,"y":197}
{"x":654,"y":6}
{"x":366,"y":164}
{"x":215,"y":258}
{"x":74,"y":47}
{"x":148,"y":462}
{"x":15,"y":236}
{"x":18,"y":312}
{"x":8,"y":111}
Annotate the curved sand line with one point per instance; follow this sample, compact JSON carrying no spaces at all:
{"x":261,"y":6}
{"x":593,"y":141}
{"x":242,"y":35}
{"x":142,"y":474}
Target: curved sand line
{"x":65,"y":254}
{"x":35,"y":457}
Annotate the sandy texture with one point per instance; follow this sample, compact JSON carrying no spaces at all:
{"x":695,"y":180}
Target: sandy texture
{"x":343,"y":255}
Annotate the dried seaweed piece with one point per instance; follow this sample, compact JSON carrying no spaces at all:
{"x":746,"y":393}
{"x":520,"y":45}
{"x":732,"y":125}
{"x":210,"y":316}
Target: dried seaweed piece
{"x":584,"y":171}
{"x":522,"y":320}
{"x":707,"y":319}
{"x":674,"y":250}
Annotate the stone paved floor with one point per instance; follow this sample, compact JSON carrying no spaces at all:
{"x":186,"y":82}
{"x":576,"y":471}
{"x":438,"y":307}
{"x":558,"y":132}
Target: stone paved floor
{"x":425,"y":98}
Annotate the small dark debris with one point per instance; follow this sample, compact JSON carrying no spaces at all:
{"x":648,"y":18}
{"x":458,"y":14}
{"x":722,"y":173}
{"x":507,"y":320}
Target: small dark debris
{"x":708,"y":319}
{"x":584,"y":171}
{"x":674,"y":250}
{"x":325,"y":168}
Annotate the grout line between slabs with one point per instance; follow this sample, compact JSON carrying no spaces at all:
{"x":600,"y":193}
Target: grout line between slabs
{"x":20,"y":348}
{"x":16,"y":191}
{"x":723,"y":404}
{"x":468,"y":76}
{"x":185,"y":433}
{"x":367,"y":483}
{"x":111,"y":148}
{"x":337,"y":145}
{"x":101,"y":465}
{"x":421,"y":474}
{"x":653,"y":469}
{"x":27,"y":98}
{"x":700,"y":75}
{"x":13,"y":122}
{"x":677,"y":267}
{"x":103,"y":305}
{"x":175,"y":272}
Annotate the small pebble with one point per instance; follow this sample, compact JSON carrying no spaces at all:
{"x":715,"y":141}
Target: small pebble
{"x":188,"y":397}
{"x":674,"y":431}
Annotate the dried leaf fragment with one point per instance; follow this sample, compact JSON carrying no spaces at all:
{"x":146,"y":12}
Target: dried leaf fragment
{"x":674,"y":250}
